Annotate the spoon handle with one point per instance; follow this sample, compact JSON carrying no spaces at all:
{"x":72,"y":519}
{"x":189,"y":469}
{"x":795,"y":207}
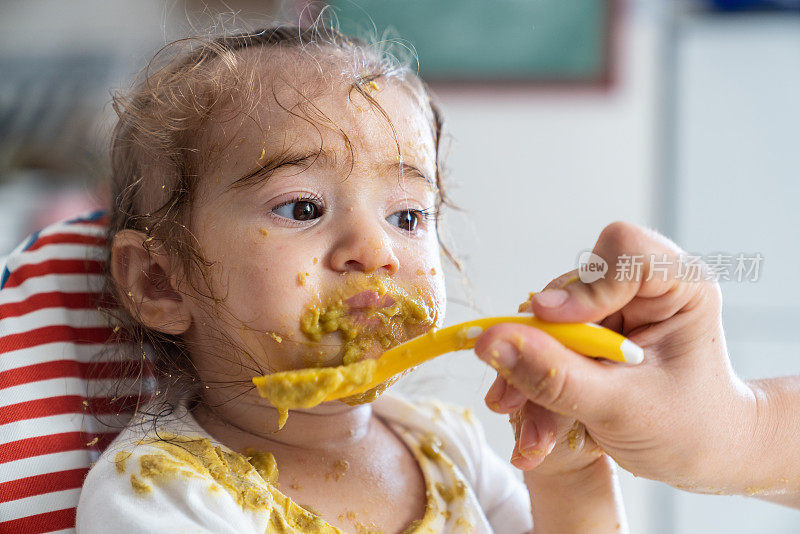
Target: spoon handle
{"x":584,"y":338}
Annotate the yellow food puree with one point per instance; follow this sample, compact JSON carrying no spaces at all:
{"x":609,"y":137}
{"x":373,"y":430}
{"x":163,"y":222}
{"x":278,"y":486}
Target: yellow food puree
{"x":304,"y":388}
{"x":395,"y":320}
{"x":250,"y":479}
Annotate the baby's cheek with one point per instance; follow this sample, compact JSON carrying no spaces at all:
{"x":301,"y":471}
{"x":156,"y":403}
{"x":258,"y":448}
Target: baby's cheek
{"x":430,"y":278}
{"x":267,"y":308}
{"x":264,"y":300}
{"x":222,"y":265}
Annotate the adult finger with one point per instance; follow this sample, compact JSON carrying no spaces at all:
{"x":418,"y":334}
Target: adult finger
{"x":502,"y":397}
{"x":549,"y":374}
{"x":536,"y":437}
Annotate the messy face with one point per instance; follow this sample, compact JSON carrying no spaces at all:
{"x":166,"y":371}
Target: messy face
{"x":317,"y":221}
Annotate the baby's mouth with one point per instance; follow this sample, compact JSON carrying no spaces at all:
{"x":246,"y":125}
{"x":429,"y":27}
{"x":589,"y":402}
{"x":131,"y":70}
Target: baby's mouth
{"x":369,"y":320}
{"x":369,"y":300}
{"x":369,"y":309}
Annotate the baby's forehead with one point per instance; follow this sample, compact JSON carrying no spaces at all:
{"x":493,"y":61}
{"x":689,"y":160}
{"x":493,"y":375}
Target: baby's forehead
{"x":291,"y":97}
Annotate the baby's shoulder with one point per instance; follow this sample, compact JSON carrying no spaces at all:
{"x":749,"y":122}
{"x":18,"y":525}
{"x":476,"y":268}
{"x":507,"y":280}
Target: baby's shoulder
{"x":154,"y":480}
{"x":147,"y":460}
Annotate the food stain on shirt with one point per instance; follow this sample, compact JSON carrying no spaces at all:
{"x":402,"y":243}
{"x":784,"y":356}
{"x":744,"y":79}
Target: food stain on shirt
{"x":265,"y":464}
{"x":250,"y":480}
{"x":430,"y":446}
{"x":446,"y":492}
{"x":469,"y":416}
{"x":120,"y":460}
{"x":139,"y":486}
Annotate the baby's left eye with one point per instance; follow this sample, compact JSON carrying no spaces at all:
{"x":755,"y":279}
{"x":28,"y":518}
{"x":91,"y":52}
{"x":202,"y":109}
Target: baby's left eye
{"x":405,"y":219}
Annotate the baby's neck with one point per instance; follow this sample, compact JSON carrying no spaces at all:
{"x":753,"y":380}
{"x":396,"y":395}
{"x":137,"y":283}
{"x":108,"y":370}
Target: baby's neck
{"x":323,"y":428}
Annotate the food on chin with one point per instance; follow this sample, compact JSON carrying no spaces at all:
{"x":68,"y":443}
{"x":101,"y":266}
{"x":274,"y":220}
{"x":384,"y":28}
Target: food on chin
{"x":370,"y":317}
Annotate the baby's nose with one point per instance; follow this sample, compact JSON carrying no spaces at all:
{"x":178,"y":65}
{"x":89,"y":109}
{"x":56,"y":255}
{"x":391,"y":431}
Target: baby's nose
{"x":364,"y":247}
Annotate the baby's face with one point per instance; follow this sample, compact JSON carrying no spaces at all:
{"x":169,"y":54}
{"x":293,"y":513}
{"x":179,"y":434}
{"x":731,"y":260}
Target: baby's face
{"x":339,"y":221}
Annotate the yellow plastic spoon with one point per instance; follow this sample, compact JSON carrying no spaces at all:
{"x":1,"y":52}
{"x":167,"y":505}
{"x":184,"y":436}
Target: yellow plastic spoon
{"x":305,"y":388}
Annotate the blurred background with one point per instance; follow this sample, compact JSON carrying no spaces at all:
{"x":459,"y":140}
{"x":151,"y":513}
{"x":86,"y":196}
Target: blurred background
{"x":562,"y":116}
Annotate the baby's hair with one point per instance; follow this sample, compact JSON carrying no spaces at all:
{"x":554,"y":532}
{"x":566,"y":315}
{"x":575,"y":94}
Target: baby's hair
{"x":156,"y":160}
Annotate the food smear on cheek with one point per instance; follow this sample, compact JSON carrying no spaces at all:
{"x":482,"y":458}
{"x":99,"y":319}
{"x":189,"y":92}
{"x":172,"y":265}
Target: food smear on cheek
{"x":370,"y":317}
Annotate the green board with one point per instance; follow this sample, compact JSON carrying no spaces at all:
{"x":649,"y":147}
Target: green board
{"x":492,"y":40}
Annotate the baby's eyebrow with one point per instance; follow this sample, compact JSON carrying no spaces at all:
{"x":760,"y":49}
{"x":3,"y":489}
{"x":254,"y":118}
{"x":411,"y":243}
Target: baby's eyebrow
{"x":305,"y":159}
{"x":407,"y":170}
{"x":270,"y":164}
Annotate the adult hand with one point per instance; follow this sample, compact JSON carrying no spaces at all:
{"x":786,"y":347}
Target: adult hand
{"x":682,"y":416}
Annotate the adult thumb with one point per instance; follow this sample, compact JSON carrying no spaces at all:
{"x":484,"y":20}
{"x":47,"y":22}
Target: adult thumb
{"x":647,"y":265}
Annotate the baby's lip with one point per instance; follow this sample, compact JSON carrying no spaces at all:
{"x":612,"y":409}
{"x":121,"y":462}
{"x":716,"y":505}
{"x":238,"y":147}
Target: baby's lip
{"x":369,"y":300}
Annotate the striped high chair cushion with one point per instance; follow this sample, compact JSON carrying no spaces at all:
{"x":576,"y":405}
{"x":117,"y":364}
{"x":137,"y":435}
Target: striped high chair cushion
{"x":56,"y":414}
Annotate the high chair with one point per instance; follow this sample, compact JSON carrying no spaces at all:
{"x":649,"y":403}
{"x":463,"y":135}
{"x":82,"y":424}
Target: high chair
{"x":56,"y":376}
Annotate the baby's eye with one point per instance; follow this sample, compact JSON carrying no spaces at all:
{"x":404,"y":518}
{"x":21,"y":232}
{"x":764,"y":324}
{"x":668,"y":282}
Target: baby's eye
{"x":405,"y":219}
{"x":299,"y":210}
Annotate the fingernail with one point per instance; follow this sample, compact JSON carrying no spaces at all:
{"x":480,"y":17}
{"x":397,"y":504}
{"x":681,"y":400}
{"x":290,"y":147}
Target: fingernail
{"x":502,"y":355}
{"x":512,"y":399}
{"x":532,"y":453}
{"x":551,"y":298}
{"x":495,"y":393}
{"x":536,"y":452}
{"x":526,"y":306}
{"x":528,"y":436}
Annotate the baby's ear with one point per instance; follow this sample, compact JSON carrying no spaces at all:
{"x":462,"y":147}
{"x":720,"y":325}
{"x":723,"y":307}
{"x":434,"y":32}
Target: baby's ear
{"x":147,"y":279}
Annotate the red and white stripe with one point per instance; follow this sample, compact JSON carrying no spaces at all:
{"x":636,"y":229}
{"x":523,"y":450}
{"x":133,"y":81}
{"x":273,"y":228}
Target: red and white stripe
{"x":51,"y":380}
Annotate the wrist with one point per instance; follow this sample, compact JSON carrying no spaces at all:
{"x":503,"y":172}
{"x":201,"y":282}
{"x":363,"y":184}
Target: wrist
{"x":590,"y":494}
{"x":771,"y":463}
{"x":577,"y":480}
{"x":734,"y":454}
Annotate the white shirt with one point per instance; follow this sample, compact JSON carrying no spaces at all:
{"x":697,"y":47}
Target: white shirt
{"x":494,"y":500}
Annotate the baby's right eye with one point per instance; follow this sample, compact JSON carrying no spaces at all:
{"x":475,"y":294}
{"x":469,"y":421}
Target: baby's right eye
{"x":298,"y":210}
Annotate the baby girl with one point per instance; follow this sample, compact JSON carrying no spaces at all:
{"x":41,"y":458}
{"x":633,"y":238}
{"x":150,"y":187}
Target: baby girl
{"x":276,"y":200}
